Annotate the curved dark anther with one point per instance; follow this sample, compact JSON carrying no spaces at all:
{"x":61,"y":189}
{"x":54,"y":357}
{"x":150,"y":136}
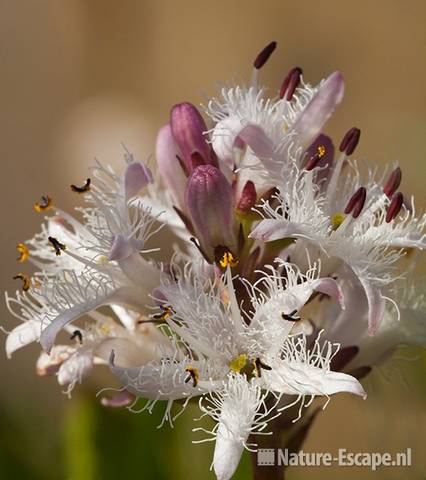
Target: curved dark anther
{"x":85,"y":188}
{"x":78,"y":335}
{"x":57,"y":245}
{"x":290,"y":317}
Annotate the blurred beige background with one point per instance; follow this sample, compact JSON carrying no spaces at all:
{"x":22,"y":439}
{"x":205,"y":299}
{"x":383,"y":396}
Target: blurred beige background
{"x":80,"y":77}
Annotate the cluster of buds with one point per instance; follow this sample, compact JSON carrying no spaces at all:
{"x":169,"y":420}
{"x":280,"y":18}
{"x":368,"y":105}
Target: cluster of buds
{"x":290,"y":277}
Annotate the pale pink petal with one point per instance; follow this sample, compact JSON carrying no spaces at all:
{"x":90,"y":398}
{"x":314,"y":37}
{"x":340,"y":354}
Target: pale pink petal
{"x":313,"y":118}
{"x":136,"y":177}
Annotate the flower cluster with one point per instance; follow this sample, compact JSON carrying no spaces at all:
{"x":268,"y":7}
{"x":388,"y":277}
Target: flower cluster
{"x":288,"y":279}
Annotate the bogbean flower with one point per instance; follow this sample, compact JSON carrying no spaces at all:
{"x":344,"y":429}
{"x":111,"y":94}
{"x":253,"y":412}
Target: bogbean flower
{"x":241,"y":315}
{"x":84,"y":265}
{"x":233,"y":359}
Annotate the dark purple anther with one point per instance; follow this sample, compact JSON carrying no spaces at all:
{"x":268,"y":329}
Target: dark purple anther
{"x":248,"y":197}
{"x":393,"y":182}
{"x":350,"y":141}
{"x":356,"y":202}
{"x":290,"y":83}
{"x":264,"y":55}
{"x":394,"y":207}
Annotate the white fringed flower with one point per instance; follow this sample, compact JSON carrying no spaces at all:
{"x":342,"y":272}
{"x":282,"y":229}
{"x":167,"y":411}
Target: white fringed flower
{"x":235,"y":358}
{"x":84,"y":265}
{"x":218,"y":316}
{"x":369,"y":243}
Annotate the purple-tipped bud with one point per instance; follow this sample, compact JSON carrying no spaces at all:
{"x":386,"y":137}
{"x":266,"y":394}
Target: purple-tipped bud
{"x":394,"y":207}
{"x":393,"y":182}
{"x":290,"y":83}
{"x":356,"y":202}
{"x":188,"y":129}
{"x":248,"y":197}
{"x":209,"y":202}
{"x":264,"y":55}
{"x":350,"y":141}
{"x":169,"y":166}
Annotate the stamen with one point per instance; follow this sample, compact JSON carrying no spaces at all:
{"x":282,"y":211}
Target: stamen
{"x":238,"y":363}
{"x":167,"y":312}
{"x":77,"y":334}
{"x":290,"y":83}
{"x":258,"y":365}
{"x":194,"y":374}
{"x":313,"y":161}
{"x":23,"y":251}
{"x":264,"y":55}
{"x":356,"y":202}
{"x":393,"y":182}
{"x":45,"y":204}
{"x":224,"y":257}
{"x":350,"y":141}
{"x":85,"y":188}
{"x":290,"y":317}
{"x":394,"y":207}
{"x":58,"y":246}
{"x":26,"y":282}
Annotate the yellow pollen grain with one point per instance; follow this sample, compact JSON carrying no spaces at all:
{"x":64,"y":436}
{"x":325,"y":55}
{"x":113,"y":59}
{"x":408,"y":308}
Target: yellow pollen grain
{"x":336,"y":220}
{"x":285,"y":127}
{"x":228,"y":259}
{"x":321,"y":151}
{"x":23,"y":251}
{"x":238,"y":363}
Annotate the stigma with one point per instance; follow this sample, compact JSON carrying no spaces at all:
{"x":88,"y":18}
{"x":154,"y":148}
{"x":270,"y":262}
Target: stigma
{"x":26,"y":282}
{"x":85,"y":188}
{"x":57,"y":245}
{"x":238,"y":363}
{"x":23,"y":251}
{"x":194,"y":375}
{"x":45,"y":204}
{"x":337,"y":220}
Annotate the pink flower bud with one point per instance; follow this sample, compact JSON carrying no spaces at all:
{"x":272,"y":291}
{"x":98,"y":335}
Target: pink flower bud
{"x":188,"y":129}
{"x":210,"y":205}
